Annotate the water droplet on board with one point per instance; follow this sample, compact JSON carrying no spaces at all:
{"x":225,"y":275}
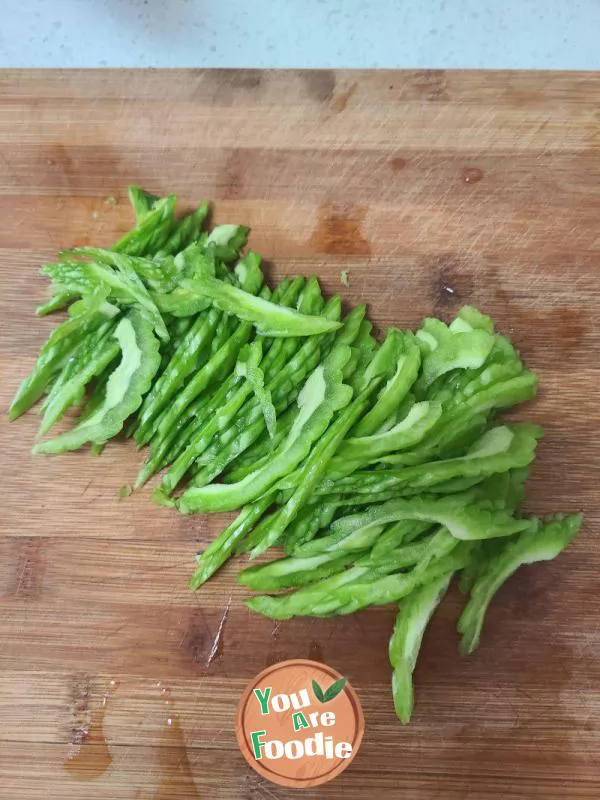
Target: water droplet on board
{"x":472,"y":174}
{"x":176,"y":777}
{"x":165,"y":693}
{"x":92,"y":755}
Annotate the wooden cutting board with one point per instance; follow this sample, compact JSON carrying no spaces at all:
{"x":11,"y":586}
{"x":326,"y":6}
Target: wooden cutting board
{"x":432,"y":190}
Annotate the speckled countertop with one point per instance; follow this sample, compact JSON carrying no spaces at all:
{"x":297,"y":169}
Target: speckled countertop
{"x":301,"y":33}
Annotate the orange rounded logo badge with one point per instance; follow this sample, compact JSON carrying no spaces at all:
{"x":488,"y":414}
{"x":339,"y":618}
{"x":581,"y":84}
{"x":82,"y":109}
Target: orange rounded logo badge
{"x":299,"y":723}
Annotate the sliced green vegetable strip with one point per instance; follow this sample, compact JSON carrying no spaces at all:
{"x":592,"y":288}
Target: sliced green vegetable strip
{"x":399,"y":533}
{"x":305,"y":570}
{"x":141,"y":201}
{"x":56,"y":302}
{"x":361,"y":539}
{"x":249,"y":367}
{"x":298,"y":602}
{"x":306,"y":297}
{"x":463,"y":520}
{"x":259,"y":453}
{"x":539,"y":543}
{"x":165,"y":451}
{"x":225,"y":355}
{"x":196,"y":261}
{"x":499,"y":395}
{"x":322,"y":395}
{"x":62,"y":342}
{"x":221,"y":411}
{"x":347,"y":592}
{"x":457,"y":351}
{"x":220,"y":364}
{"x":403,"y":435}
{"x":414,"y":551}
{"x":284,"y":389}
{"x":217,"y":412}
{"x":368,"y":537}
{"x":286,"y":573}
{"x":227,"y":241}
{"x":312,"y":470}
{"x":269,"y":318}
{"x":391,"y":588}
{"x":184,"y":361}
{"x":308,"y":523}
{"x":97,"y":395}
{"x":160,"y":273}
{"x":344,"y":479}
{"x":358,"y":451}
{"x":314,"y":589}
{"x":221,"y":548}
{"x":230,"y":443}
{"x":154,"y":215}
{"x":470,"y":318}
{"x":89,"y":363}
{"x":77,"y":360}
{"x":192,"y":421}
{"x":395,"y":390}
{"x":186,"y":231}
{"x":124,"y":284}
{"x":415,"y":612}
{"x":498,"y":450}
{"x":126,"y":385}
{"x":181,"y":301}
{"x":380,"y":362}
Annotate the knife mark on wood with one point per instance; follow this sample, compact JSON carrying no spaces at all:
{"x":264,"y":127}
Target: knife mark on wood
{"x":198,"y":640}
{"x":230,"y":183}
{"x":431,"y":84}
{"x":216,"y":650}
{"x":27,"y":584}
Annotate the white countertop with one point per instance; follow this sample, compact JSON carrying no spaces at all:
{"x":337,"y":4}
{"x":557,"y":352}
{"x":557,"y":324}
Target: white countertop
{"x":301,"y":33}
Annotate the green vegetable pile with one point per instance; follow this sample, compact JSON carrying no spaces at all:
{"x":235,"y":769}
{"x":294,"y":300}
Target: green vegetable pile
{"x":380,"y":468}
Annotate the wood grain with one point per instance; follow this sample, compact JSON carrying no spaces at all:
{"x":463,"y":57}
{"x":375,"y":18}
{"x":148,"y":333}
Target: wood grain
{"x":432,"y":189}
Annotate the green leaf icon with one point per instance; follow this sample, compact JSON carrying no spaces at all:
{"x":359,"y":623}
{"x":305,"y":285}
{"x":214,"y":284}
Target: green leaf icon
{"x":331,"y":693}
{"x":318,"y":691}
{"x":334,"y":689}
